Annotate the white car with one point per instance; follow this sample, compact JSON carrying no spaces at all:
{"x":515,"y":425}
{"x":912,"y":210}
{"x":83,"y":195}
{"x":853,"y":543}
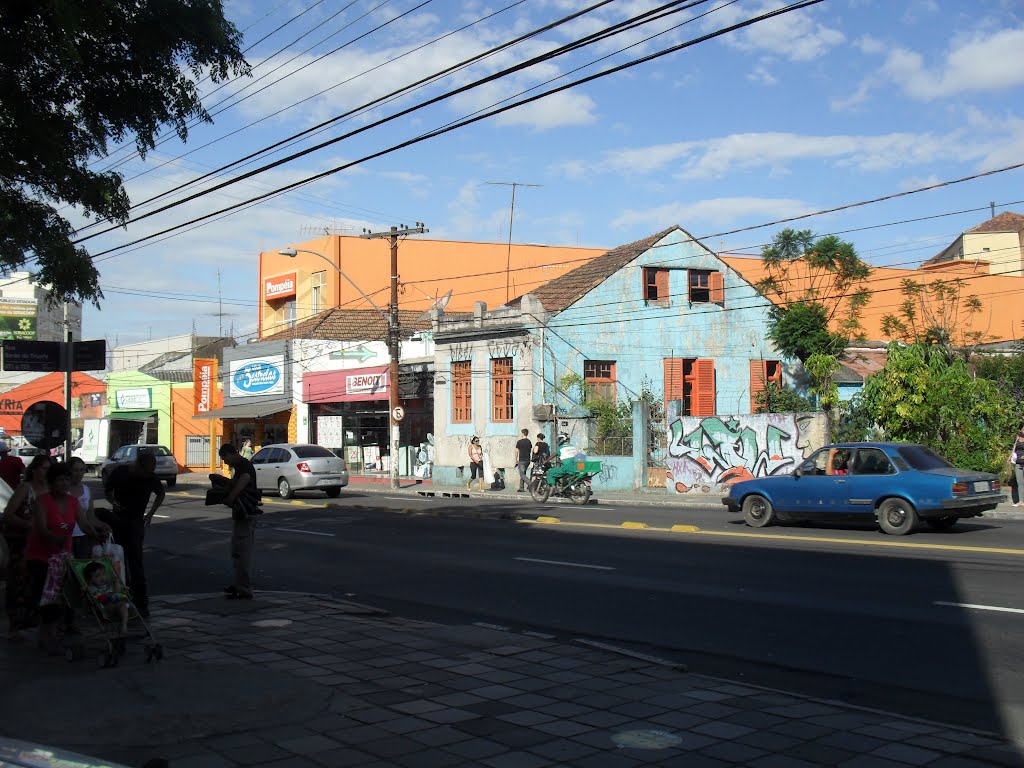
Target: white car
{"x":290,"y":467}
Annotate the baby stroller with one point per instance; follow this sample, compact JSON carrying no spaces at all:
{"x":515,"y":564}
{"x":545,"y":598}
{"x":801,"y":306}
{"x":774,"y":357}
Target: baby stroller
{"x":81,"y":600}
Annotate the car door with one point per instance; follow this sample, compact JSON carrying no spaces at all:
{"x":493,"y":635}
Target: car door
{"x":818,"y":492}
{"x":867,"y":480}
{"x":259,"y":463}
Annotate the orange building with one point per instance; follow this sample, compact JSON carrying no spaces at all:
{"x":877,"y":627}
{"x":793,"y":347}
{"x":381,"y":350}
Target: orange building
{"x":295,"y":288}
{"x":47,"y":387}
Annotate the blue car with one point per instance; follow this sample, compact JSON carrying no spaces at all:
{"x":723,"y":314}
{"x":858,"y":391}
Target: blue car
{"x":896,"y":484}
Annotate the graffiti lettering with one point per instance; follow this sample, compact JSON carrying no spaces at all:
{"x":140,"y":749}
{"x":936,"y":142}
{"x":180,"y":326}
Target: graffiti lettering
{"x":503,"y":348}
{"x":461,"y":352}
{"x":705,"y":452}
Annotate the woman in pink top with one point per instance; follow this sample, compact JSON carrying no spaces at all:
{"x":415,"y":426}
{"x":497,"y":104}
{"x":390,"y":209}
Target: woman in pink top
{"x":55,"y":516}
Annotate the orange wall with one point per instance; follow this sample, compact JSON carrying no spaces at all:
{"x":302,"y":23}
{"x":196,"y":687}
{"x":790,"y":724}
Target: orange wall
{"x":183,"y":423}
{"x":427,"y":268}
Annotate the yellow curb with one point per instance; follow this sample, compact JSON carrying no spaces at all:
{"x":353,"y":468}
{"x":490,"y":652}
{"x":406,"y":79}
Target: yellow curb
{"x":634,"y":525}
{"x":685,"y":528}
{"x":551,"y":520}
{"x":297,"y":503}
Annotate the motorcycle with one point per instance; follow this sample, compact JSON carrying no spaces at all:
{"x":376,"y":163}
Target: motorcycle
{"x":569,"y":479}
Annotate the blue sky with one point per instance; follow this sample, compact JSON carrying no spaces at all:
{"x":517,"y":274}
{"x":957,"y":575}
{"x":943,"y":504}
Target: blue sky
{"x":845,"y":101}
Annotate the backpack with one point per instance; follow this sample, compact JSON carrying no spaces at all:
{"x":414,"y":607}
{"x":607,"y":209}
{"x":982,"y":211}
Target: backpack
{"x":499,"y":482}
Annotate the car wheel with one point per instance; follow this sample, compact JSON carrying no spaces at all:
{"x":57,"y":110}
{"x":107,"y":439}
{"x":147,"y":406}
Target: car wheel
{"x":757,"y":511}
{"x":171,"y":482}
{"x":284,"y":488}
{"x":942,"y":523}
{"x":897,"y":517}
{"x":333,"y":493}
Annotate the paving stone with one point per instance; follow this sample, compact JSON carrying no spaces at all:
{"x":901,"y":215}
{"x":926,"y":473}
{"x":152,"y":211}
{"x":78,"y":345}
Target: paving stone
{"x":207,"y":760}
{"x":858,"y":743}
{"x":406,"y":725}
{"x":259,"y":752}
{"x":869,"y":761}
{"x":373,"y":714}
{"x":391,"y":747}
{"x":939,"y":744}
{"x":959,"y":761}
{"x":905,"y":753}
{"x":607,"y":760}
{"x":516,"y":760}
{"x":711,"y":710}
{"x":449,"y":716}
{"x":772,"y":742}
{"x":564,"y":751}
{"x":527,"y":717}
{"x":564,"y":709}
{"x":341,"y":758}
{"x":694,"y":760}
{"x":521,"y":738}
{"x":358,"y":734}
{"x":429,"y":759}
{"x":780,"y":761}
{"x":563,"y":728}
{"x":602,"y":719}
{"x":476,"y":748}
{"x":496,"y":692}
{"x":638,"y":710}
{"x":439,"y":737}
{"x":417,"y":707}
{"x":819,"y":754}
{"x":758,"y":720}
{"x":1002,"y":754}
{"x":733,"y":752}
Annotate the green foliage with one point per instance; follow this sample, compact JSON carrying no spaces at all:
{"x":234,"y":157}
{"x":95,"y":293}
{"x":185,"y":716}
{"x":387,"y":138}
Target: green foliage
{"x":936,"y":314}
{"x":822,"y":369}
{"x":776,"y":399}
{"x":613,"y":420}
{"x":1007,"y":371}
{"x":922,"y":396}
{"x":75,"y":75}
{"x":854,"y":422}
{"x":801,"y":330}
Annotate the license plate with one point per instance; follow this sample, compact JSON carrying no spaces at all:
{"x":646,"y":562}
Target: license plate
{"x":981,"y":487}
{"x":328,"y":481}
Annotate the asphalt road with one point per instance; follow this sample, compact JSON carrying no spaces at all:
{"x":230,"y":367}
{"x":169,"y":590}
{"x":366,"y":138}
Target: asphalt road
{"x":930,"y":625}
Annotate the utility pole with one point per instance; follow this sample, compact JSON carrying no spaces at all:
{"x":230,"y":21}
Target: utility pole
{"x":394,"y":339}
{"x":511,"y":213}
{"x":68,"y":365}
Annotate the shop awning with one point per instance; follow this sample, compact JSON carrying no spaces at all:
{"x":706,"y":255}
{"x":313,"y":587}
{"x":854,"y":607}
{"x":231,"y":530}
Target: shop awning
{"x":132,"y":415}
{"x":254,"y":411}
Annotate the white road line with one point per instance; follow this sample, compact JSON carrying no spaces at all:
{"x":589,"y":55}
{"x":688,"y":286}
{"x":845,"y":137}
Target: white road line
{"x":980,"y":607}
{"x":299,"y":530}
{"x":163,"y":517}
{"x":405,"y":498}
{"x":559,"y":562}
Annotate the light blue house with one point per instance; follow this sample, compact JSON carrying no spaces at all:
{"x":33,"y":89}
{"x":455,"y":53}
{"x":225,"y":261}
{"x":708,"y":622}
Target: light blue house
{"x":663,"y":315}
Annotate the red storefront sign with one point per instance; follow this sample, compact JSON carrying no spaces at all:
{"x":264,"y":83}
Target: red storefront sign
{"x":347,"y":386}
{"x":204,"y":379}
{"x":279,"y":287}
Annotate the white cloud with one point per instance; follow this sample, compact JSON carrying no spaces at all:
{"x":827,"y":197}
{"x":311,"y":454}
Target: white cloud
{"x":760,"y":74}
{"x":796,"y":35}
{"x":714,"y":212}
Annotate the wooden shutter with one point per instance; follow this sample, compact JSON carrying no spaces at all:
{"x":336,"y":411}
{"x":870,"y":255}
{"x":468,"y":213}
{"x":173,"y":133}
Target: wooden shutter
{"x":661,"y":280}
{"x":704,"y":389}
{"x":462,"y":392}
{"x":758,"y":378}
{"x":673,"y":380}
{"x":716,"y":284}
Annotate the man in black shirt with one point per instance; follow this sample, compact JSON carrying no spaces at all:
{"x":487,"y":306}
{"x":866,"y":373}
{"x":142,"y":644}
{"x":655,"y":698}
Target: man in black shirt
{"x":243,"y":498}
{"x":523,"y":450}
{"x":128,"y":488}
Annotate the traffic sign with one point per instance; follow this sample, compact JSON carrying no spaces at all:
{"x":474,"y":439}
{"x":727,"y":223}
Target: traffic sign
{"x":22,"y":355}
{"x":45,"y":424}
{"x":89,"y":355}
{"x":398,"y":413}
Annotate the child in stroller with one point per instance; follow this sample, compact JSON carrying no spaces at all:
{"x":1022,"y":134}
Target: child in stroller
{"x":112,"y":600}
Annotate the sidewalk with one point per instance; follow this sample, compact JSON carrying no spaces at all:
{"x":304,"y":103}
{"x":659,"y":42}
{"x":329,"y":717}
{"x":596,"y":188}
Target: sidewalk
{"x":298,"y":680}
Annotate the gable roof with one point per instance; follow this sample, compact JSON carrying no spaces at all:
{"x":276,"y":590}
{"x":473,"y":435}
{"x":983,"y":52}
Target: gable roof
{"x":1008,"y":221}
{"x":564,"y":291}
{"x":352,"y":325}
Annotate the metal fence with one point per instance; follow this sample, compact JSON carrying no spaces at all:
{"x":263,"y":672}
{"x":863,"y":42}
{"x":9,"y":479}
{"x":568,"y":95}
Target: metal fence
{"x":197,"y":450}
{"x":612,"y":446}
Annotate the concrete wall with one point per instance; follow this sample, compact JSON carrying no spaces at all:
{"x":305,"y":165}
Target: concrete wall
{"x":705,"y":454}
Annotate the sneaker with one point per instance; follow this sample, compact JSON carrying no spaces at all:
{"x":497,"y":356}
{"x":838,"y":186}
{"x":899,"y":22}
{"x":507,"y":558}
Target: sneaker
{"x":520,"y":490}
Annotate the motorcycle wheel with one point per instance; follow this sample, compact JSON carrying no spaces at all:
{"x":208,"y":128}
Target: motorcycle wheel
{"x":539,"y":489}
{"x":578,"y":492}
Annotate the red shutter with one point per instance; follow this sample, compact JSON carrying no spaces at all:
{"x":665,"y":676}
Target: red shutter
{"x":758,"y":377}
{"x":673,"y":380}
{"x":661,"y":280}
{"x":716,"y":284}
{"x":704,"y":390}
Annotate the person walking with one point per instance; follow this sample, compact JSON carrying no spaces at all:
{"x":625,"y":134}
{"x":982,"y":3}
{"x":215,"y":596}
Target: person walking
{"x":476,"y":463}
{"x":243,"y":497}
{"x":22,"y":611}
{"x":12,"y":468}
{"x":524,"y":449}
{"x":1017,"y":460}
{"x":246,"y":450}
{"x":129,"y":488}
{"x":541,"y":450}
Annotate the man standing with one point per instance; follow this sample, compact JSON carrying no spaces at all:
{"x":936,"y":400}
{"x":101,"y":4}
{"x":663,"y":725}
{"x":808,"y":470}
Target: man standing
{"x":243,"y":497}
{"x":128,"y":488}
{"x":12,"y":468}
{"x":523,"y":450}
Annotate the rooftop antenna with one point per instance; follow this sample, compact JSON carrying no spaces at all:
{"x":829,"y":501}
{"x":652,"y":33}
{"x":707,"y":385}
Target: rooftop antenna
{"x":511,"y":214}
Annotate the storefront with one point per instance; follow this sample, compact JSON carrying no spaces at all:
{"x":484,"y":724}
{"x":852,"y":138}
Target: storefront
{"x":349,"y":412}
{"x":139,"y":408}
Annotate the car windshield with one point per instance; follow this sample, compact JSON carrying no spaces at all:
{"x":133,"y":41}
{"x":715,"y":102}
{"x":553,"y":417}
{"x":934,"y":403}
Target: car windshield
{"x":313,"y":452}
{"x":919,"y":457}
{"x":156,"y":450}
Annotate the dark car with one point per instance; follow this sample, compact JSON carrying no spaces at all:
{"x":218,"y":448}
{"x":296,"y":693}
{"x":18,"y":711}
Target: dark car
{"x":895,"y":484}
{"x":166,"y":464}
{"x":290,"y":467}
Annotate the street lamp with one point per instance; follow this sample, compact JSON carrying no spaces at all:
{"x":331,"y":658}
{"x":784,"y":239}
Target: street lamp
{"x":392,"y":350}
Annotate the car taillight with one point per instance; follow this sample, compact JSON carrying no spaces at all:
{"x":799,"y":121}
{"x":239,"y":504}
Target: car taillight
{"x":996,"y":485}
{"x":303,"y":467}
{"x":959,"y":488}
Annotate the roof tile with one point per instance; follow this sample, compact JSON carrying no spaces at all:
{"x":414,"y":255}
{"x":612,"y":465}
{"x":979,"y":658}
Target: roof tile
{"x":351,"y":325}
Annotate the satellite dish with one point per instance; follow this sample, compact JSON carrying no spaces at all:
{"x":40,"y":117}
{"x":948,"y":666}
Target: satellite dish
{"x":438,"y":304}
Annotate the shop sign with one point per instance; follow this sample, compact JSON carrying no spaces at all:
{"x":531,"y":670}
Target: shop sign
{"x":18,"y":319}
{"x":204,"y":379}
{"x":279,"y":287}
{"x":257,"y":377}
{"x":134,"y":399}
{"x":366,"y":383}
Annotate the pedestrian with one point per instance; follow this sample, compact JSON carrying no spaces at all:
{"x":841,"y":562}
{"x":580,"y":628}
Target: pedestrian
{"x":476,"y":463}
{"x":243,"y":497}
{"x":22,"y":611}
{"x":541,"y":450}
{"x":82,"y":543}
{"x":1017,"y":460}
{"x":12,"y":468}
{"x":129,"y":488}
{"x":246,"y":451}
{"x":524,"y":449}
{"x":47,"y":551}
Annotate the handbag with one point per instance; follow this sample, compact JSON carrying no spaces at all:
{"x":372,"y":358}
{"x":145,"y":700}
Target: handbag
{"x":115,"y":552}
{"x":54,"y":583}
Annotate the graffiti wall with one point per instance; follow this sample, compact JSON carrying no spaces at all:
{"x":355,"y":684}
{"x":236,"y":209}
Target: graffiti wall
{"x":705,"y":453}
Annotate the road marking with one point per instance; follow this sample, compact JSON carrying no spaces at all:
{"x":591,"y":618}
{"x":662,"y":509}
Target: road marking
{"x":163,"y":517}
{"x":629,"y":524}
{"x":300,"y":530}
{"x":548,"y":520}
{"x":571,"y":565}
{"x":980,"y":607}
